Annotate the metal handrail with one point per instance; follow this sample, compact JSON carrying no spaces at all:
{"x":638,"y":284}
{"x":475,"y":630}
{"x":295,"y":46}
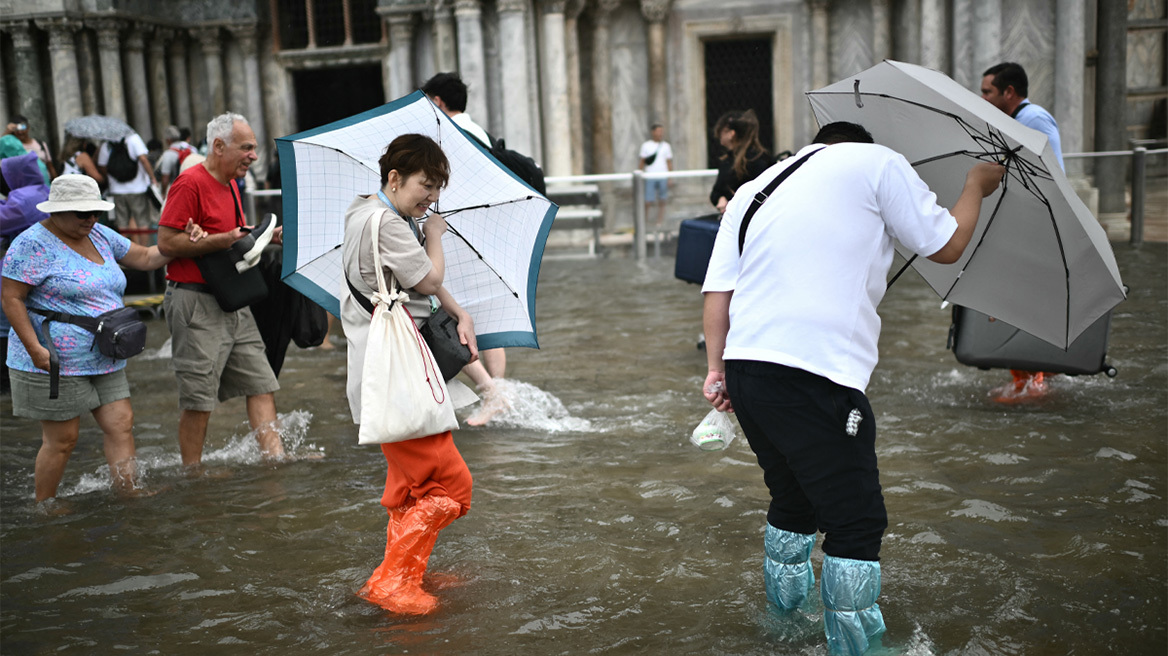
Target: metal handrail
{"x":637,"y":180}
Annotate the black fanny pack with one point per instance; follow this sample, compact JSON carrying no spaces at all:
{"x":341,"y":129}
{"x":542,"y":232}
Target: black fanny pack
{"x":118,"y":334}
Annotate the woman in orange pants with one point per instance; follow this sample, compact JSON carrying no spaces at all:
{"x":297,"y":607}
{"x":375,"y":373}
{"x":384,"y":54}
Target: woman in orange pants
{"x":427,"y":484}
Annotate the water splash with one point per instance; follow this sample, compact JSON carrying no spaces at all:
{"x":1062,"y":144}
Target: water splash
{"x":293,"y":429}
{"x":529,"y":407}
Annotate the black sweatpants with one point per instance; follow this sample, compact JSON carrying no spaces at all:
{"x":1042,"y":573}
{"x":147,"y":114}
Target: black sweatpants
{"x":820,"y":478}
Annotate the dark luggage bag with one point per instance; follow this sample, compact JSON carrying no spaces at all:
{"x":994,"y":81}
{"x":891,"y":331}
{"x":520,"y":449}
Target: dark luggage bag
{"x":695,"y":243}
{"x":981,"y":341}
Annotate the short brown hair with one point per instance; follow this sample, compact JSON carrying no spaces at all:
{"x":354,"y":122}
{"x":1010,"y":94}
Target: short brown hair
{"x":411,"y":153}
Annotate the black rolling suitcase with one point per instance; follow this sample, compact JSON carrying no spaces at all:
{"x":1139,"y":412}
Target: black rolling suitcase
{"x":981,"y":341}
{"x":695,"y":243}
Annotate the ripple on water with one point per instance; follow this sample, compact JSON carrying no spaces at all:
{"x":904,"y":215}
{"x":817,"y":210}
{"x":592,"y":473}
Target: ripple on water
{"x":129,"y":584}
{"x":979,"y":509}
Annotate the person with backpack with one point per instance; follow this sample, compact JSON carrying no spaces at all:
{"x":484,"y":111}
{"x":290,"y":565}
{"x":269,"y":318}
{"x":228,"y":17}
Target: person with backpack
{"x":126,"y":167}
{"x":170,"y":164}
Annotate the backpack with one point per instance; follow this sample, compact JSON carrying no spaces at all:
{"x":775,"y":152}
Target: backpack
{"x":121,"y":166}
{"x":182,"y":153}
{"x":519,"y":164}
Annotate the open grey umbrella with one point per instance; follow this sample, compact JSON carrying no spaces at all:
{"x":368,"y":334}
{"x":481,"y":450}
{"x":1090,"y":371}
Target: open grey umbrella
{"x":1038,"y":260}
{"x":98,"y":127}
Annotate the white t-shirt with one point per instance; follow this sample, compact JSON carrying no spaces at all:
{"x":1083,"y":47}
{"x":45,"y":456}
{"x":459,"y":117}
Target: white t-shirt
{"x":664,"y":154}
{"x":464,"y":121}
{"x":136,"y":147}
{"x":817,"y":255}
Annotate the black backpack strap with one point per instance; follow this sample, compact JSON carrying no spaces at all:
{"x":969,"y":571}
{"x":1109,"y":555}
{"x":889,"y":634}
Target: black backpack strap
{"x":761,"y":197}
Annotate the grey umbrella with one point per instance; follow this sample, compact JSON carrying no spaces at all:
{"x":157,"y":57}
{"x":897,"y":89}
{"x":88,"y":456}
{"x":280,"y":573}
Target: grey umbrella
{"x":98,"y":127}
{"x":1038,"y":260}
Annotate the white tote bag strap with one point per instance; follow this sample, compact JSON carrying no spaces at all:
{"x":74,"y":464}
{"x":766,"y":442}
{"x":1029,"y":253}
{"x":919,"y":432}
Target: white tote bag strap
{"x":384,"y":294}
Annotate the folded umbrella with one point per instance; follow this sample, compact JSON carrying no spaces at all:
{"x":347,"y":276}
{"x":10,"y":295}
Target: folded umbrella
{"x":1038,"y":259}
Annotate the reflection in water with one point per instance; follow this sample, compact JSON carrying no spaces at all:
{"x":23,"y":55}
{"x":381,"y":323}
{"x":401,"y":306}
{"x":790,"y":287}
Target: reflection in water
{"x":597,"y":527}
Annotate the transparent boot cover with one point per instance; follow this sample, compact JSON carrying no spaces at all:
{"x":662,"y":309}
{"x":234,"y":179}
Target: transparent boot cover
{"x":787,"y":570}
{"x":851,"y":616}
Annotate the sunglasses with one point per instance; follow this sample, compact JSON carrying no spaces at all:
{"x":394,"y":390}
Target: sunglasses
{"x":85,"y":216}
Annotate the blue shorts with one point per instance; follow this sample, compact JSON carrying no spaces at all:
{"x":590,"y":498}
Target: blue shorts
{"x":656,"y":190}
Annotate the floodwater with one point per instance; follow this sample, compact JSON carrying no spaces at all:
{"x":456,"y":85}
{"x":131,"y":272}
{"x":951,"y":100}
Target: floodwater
{"x":597,"y":528}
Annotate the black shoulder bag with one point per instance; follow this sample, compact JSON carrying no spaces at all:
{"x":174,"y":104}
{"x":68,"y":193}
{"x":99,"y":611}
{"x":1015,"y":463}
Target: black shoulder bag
{"x":232,"y":290}
{"x":761,"y":197}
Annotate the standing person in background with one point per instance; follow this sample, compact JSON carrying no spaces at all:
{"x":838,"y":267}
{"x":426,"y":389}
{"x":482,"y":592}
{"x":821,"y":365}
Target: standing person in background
{"x":448,"y":92}
{"x":656,"y":157}
{"x":19,"y":128}
{"x":791,"y":322}
{"x":1006,"y":87}
{"x":217,"y":355}
{"x":77,"y":158}
{"x":745,"y":158}
{"x":129,"y":187}
{"x":177,"y":150}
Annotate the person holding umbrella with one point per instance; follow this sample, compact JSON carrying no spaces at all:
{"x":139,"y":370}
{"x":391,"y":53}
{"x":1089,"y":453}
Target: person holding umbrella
{"x":791,"y":330}
{"x":427,"y":483}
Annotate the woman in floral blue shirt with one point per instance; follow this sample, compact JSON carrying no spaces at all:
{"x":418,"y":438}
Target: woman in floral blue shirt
{"x":69,"y":263}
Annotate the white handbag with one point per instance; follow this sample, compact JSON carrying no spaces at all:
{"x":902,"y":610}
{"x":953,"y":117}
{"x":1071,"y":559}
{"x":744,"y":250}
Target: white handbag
{"x":403,"y":395}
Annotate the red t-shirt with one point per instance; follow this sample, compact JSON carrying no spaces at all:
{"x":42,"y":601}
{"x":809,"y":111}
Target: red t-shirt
{"x":197,"y":195}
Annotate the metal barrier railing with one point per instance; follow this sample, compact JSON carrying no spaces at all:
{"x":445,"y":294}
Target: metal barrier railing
{"x":636,"y":179}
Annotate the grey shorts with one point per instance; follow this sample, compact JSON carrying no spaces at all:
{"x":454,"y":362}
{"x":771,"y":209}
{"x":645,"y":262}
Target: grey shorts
{"x":138,"y":206}
{"x":76,"y":394}
{"x":216,"y":355}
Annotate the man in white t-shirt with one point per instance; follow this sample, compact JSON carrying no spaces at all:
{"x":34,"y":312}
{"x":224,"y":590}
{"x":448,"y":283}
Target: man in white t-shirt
{"x":133,"y":207}
{"x":177,"y":150}
{"x":791,"y":333}
{"x":656,"y":157}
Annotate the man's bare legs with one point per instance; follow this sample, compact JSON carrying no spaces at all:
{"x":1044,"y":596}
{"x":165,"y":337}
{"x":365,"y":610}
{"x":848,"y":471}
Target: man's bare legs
{"x":261,"y":414}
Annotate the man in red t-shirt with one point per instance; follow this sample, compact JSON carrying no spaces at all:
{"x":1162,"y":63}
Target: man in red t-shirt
{"x":217,"y":355}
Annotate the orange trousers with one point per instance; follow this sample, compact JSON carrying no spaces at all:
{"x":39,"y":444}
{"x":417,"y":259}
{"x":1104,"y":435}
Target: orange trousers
{"x":422,"y":466}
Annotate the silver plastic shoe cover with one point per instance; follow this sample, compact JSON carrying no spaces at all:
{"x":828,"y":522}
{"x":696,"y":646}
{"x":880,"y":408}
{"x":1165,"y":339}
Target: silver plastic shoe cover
{"x":787,"y":569}
{"x":851,"y":615}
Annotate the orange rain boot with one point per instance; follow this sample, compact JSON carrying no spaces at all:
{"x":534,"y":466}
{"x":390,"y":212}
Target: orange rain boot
{"x":1026,"y":386}
{"x":396,"y":584}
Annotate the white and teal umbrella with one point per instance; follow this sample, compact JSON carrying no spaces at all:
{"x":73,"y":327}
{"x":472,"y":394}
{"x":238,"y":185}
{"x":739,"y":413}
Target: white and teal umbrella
{"x":1038,"y":259}
{"x":498,"y":224}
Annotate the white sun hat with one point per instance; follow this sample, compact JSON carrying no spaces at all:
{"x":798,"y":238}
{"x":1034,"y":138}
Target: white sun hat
{"x":74,"y":193}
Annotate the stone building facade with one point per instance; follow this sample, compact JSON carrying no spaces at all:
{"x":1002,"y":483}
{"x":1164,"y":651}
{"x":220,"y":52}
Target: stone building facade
{"x":575,"y":83}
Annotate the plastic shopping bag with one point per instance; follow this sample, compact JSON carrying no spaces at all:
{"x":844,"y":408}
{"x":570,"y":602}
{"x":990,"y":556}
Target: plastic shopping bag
{"x":716,"y":432}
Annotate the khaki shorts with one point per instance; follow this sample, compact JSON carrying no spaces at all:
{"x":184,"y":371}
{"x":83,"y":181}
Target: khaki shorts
{"x":216,"y":354}
{"x":76,"y":395}
{"x":138,"y":206}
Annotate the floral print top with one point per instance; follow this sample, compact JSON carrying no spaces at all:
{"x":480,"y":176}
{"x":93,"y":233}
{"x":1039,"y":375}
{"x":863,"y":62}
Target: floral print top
{"x":66,"y":281}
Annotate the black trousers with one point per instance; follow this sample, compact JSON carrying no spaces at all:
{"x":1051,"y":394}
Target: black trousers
{"x":820,"y":477}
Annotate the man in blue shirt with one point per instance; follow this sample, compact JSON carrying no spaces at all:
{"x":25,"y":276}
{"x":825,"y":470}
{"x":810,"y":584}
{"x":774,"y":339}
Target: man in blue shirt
{"x":1005,"y":86}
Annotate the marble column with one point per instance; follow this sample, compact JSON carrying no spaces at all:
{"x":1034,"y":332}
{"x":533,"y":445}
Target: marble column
{"x":821,"y":44}
{"x":397,"y":68}
{"x":1070,"y":44}
{"x":279,"y":101}
{"x":180,"y":88}
{"x":234,"y":76}
{"x":201,"y":110}
{"x":517,"y":119}
{"x":1111,"y":104}
{"x":906,"y":46}
{"x":471,"y":60}
{"x":935,"y":41}
{"x":557,"y":135}
{"x":253,"y":107}
{"x":30,"y":96}
{"x":138,"y":87}
{"x":987,"y":38}
{"x":213,"y":61}
{"x":3,"y":83}
{"x":87,"y":72}
{"x":881,"y":30}
{"x":63,"y":61}
{"x":655,"y":12}
{"x":445,"y":40}
{"x":572,"y":59}
{"x":159,"y":93}
{"x":109,"y":56}
{"x":602,"y":161}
